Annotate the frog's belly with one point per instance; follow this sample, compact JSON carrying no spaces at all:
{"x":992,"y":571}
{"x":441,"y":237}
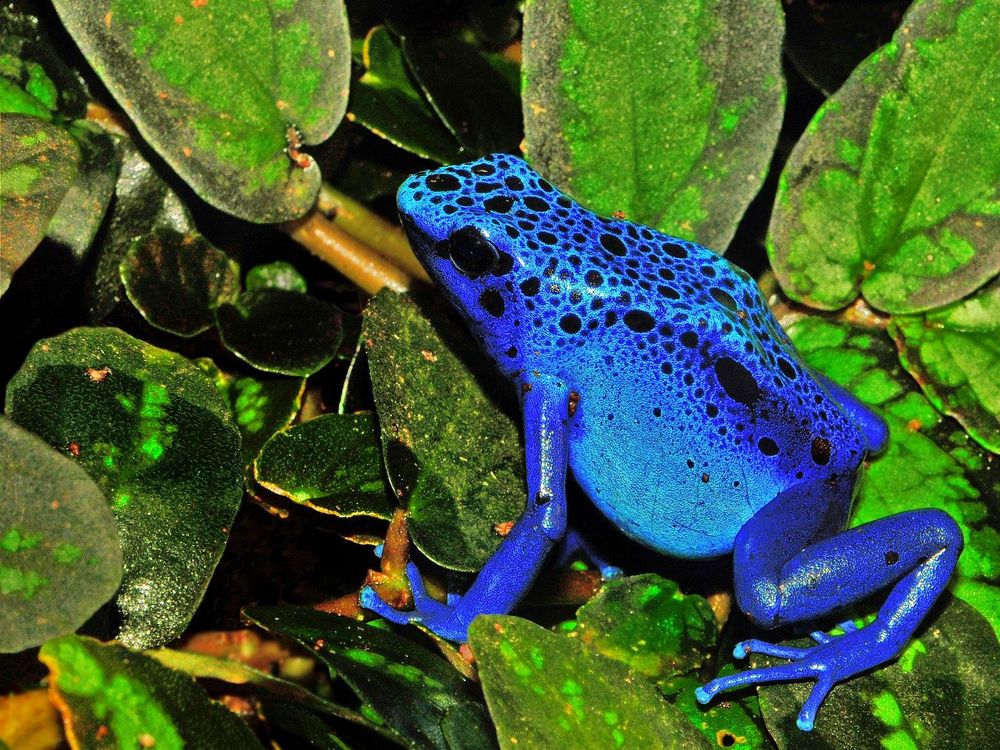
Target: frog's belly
{"x":668,"y":483}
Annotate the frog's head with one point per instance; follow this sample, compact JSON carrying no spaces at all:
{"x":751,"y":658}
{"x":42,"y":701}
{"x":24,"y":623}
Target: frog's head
{"x":473,"y":227}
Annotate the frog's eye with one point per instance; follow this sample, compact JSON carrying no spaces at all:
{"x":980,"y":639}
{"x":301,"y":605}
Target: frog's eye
{"x":471,"y":253}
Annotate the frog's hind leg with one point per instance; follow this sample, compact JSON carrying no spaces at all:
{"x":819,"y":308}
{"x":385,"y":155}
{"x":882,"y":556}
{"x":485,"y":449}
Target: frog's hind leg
{"x":509,"y":573}
{"x":793,"y":565}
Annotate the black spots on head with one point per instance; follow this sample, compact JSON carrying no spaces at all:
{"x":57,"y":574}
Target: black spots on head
{"x":689,"y":339}
{"x":666,"y":330}
{"x":512,"y":232}
{"x":593,"y":279}
{"x":471,"y":253}
{"x":674,"y":250}
{"x":708,"y":271}
{"x":737,"y":381}
{"x":487,"y":187}
{"x":820,"y":451}
{"x":786,"y":367}
{"x":613,"y":245}
{"x":666,"y":368}
{"x":547,"y":238}
{"x":483,"y":170}
{"x":712,"y":410}
{"x":491,"y":301}
{"x":530,"y":287}
{"x":668,"y":291}
{"x":666,"y":274}
{"x":498,"y":204}
{"x":535,"y":203}
{"x":723,"y":298}
{"x":563,"y":201}
{"x":503,"y":265}
{"x":545,"y":185}
{"x":450,"y":209}
{"x":610,"y":318}
{"x":514,"y":183}
{"x":639,"y":321}
{"x":891,"y":557}
{"x":570,"y":323}
{"x":465,"y":200}
{"x":441,"y":182}
{"x":767,"y":446}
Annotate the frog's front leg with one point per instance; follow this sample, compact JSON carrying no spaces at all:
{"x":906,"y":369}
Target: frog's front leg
{"x":793,"y":563}
{"x":509,"y":573}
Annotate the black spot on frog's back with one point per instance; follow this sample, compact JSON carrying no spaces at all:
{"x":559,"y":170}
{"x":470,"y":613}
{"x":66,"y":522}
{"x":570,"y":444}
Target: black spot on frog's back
{"x":737,"y":381}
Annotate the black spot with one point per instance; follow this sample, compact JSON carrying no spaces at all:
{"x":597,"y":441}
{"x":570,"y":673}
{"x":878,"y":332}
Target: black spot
{"x":471,"y":253}
{"x":576,"y":296}
{"x":503,"y":265}
{"x":786,"y":367}
{"x":484,"y":170}
{"x":737,"y":381}
{"x":639,"y":321}
{"x":820,"y":451}
{"x":610,"y":318}
{"x":548,"y":238}
{"x":492,"y":302}
{"x":668,"y":291}
{"x":512,"y":232}
{"x":666,"y":274}
{"x":723,"y":298}
{"x":689,"y":339}
{"x":498,"y":204}
{"x":767,"y":446}
{"x":690,"y":463}
{"x":545,"y":185}
{"x":674,"y":250}
{"x":593,"y":279}
{"x":450,"y":209}
{"x":657,"y":412}
{"x":442,"y":181}
{"x":712,"y":410}
{"x":666,"y":368}
{"x":512,"y":352}
{"x":514,"y":183}
{"x":487,"y":187}
{"x":891,"y":557}
{"x":613,"y":245}
{"x":465,"y":200}
{"x":708,"y":271}
{"x":530,"y":287}
{"x":536,"y":204}
{"x":570,"y":323}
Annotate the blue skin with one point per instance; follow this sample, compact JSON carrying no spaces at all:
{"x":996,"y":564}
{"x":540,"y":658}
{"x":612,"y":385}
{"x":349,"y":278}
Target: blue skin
{"x":652,"y":369}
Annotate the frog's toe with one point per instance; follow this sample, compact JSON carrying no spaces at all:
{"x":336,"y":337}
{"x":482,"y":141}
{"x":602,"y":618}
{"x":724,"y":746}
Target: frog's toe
{"x":741,"y":649}
{"x":440,"y":619}
{"x":372,"y":601}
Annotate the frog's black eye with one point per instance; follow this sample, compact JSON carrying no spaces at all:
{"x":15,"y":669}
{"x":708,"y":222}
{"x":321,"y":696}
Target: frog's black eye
{"x":471,"y":253}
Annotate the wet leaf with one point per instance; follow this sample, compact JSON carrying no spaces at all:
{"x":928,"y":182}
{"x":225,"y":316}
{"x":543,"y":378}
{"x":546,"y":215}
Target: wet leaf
{"x":891,"y":192}
{"x":113,"y":697}
{"x":38,"y":163}
{"x":412,"y":691}
{"x":954,"y":353}
{"x":159,"y":440}
{"x":176,"y":280}
{"x":278,"y":275}
{"x":450,"y":451}
{"x":29,"y":721}
{"x":180,"y":70}
{"x":545,"y":690}
{"x":941,"y":693}
{"x":666,"y":111}
{"x":386,"y":102}
{"x":331,"y":463}
{"x":283,"y":332}
{"x":59,"y":553}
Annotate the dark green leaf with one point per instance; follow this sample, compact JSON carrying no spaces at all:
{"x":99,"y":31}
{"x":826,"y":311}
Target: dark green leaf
{"x":547,"y":691}
{"x":283,"y":332}
{"x":176,"y":280}
{"x":38,"y":162}
{"x":892,"y":190}
{"x":667,"y":111}
{"x":218,"y":87}
{"x":159,"y":440}
{"x":954,"y":353}
{"x":331,"y":463}
{"x":59,"y":554}
{"x":299,"y":722}
{"x":112,"y":697}
{"x":942,"y":694}
{"x":450,"y":451}
{"x":278,"y":275}
{"x":727,"y":723}
{"x":495,"y":22}
{"x":415,"y":693}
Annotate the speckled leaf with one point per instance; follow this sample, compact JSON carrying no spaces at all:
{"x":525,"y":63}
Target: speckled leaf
{"x":331,"y":463}
{"x":386,"y":102}
{"x":667,"y":111}
{"x":451,"y":452}
{"x":216,"y":87}
{"x":159,"y":440}
{"x":111,"y":697}
{"x":892,"y":191}
{"x":545,"y":691}
{"x":474,"y":99}
{"x":727,"y":723}
{"x":38,"y":162}
{"x":647,"y":623}
{"x":954,"y":353}
{"x":402,"y":685}
{"x":277,"y":331}
{"x":176,"y":280}
{"x":59,"y":554}
{"x":942,"y":694}
{"x":278,"y":275}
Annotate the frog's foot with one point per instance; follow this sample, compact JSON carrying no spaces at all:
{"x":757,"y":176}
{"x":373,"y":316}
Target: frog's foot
{"x":441,"y":619}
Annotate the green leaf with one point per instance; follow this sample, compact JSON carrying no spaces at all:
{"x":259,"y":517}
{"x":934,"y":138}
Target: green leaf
{"x":450,"y":451}
{"x":283,"y":332}
{"x":217,"y":88}
{"x":471,"y":96}
{"x":59,"y":554}
{"x":728,"y":723}
{"x":954,"y":353}
{"x":892,"y":191}
{"x":38,"y":162}
{"x":414,"y":693}
{"x":279,"y":275}
{"x":942,"y":692}
{"x":331,"y":463}
{"x":667,"y":111}
{"x":386,"y":102}
{"x":159,"y":440}
{"x":546,"y":691}
{"x":137,"y":702}
{"x":176,"y":280}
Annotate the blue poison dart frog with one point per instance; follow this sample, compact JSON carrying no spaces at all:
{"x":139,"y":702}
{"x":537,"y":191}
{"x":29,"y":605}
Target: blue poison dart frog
{"x":652,"y":369}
